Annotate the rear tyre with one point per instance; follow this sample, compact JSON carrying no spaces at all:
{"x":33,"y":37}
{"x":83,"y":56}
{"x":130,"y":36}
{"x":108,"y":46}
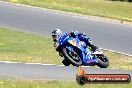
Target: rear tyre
{"x":103,"y":61}
{"x":75,"y":61}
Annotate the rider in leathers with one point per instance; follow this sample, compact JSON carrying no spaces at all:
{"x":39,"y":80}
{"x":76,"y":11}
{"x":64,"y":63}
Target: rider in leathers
{"x":57,"y":33}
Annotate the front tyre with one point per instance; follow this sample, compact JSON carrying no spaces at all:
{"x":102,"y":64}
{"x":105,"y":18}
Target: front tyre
{"x":73,"y":58}
{"x":103,"y":61}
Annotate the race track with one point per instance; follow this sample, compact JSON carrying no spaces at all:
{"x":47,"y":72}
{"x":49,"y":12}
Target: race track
{"x":108,"y":35}
{"x":50,"y":72}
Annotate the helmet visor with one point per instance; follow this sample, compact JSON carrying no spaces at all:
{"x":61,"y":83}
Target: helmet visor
{"x":54,"y":38}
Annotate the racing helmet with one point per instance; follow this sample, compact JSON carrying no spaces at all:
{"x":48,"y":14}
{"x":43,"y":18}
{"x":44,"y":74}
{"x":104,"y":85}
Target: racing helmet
{"x":56,"y":34}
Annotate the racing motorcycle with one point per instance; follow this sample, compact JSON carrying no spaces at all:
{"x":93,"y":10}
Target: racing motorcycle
{"x":76,"y":52}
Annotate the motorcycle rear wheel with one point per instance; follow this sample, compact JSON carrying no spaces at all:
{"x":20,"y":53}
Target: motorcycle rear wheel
{"x":103,"y":61}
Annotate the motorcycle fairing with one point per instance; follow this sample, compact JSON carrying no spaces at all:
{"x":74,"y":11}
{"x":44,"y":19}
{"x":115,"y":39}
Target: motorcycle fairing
{"x":85,"y":53}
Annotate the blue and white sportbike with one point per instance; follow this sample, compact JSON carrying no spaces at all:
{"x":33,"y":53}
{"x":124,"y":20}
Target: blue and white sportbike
{"x":77,"y":53}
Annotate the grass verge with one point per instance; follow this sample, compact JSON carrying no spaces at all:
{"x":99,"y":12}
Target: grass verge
{"x":103,"y":8}
{"x":55,"y":84}
{"x":24,"y":47}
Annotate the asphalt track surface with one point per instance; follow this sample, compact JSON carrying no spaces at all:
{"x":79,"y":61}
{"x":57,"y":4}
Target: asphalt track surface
{"x":49,"y":72}
{"x":107,"y":35}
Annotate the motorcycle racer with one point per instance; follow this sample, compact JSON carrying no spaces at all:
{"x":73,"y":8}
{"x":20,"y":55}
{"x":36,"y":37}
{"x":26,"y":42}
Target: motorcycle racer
{"x":57,"y":33}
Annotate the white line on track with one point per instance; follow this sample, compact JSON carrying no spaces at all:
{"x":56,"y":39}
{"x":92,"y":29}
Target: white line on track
{"x":117,"y":52}
{"x":8,"y":62}
{"x":27,"y":63}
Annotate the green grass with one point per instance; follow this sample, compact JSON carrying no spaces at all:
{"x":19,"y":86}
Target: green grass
{"x":55,"y":84}
{"x":24,"y":47}
{"x":118,"y":61}
{"x":103,"y":8}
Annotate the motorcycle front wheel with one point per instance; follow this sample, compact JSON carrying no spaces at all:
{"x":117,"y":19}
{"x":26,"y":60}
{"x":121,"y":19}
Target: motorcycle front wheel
{"x":73,"y":58}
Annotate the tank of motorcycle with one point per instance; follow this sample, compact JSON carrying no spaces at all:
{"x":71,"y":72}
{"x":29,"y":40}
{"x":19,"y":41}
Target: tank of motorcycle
{"x":73,"y":41}
{"x":63,"y":39}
